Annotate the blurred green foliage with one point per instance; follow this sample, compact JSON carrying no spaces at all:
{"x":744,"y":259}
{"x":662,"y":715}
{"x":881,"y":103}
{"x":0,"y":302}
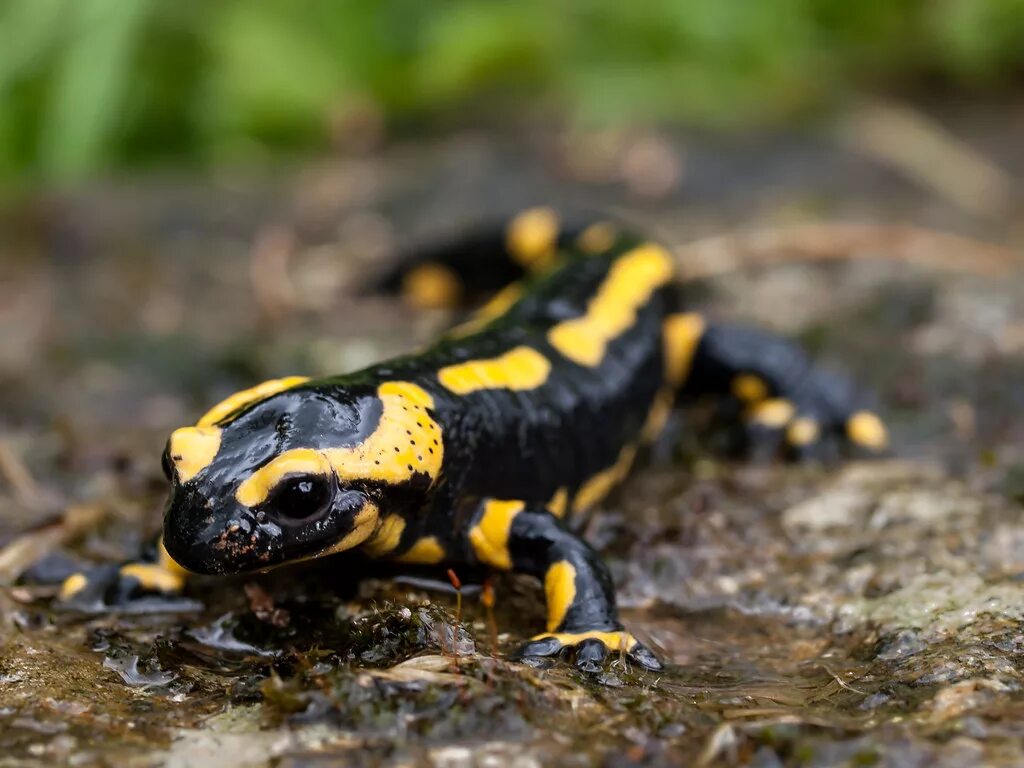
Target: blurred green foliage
{"x":90,"y":84}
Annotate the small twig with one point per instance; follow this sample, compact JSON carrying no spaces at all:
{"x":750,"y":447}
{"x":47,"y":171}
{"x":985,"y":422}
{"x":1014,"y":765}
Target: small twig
{"x":14,"y":471}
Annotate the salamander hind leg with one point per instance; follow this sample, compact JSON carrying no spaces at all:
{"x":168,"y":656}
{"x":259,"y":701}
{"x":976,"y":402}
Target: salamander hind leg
{"x":783,"y":403}
{"x":582,"y":619}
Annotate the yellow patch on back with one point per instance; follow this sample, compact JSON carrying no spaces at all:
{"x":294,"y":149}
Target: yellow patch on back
{"x":192,"y":449}
{"x":426,"y":551}
{"x":598,"y":237}
{"x":247,"y":397}
{"x":532,"y":238}
{"x":406,"y":441}
{"x":519,"y":369}
{"x":749,"y":388}
{"x":560,"y":591}
{"x":386,"y":538}
{"x":601,"y":484}
{"x":866,"y":429}
{"x":489,"y":537}
{"x":498,"y":305}
{"x":682,"y":334}
{"x":432,"y":286}
{"x":559,"y":503}
{"x":630,"y":282}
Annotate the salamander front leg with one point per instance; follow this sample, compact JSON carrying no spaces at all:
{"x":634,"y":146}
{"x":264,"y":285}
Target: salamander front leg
{"x":582,"y":617}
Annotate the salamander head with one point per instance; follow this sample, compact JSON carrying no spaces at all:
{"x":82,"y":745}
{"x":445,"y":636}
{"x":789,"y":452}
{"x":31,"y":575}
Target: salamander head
{"x":257,"y":483}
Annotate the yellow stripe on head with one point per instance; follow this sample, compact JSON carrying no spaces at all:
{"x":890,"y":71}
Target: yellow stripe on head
{"x":532,"y":238}
{"x":386,"y":538}
{"x":560,"y":591}
{"x":247,"y":397}
{"x":406,"y":441}
{"x":519,"y":369}
{"x":682,"y":334}
{"x":256,"y":488}
{"x":193,"y":449}
{"x":630,"y":282}
{"x":489,"y":537}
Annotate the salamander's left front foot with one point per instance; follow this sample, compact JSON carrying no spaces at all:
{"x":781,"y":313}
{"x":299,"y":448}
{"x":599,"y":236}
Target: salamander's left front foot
{"x":590,"y":649}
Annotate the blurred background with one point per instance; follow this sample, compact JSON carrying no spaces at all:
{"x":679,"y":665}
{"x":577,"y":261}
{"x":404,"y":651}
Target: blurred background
{"x":94,"y":86}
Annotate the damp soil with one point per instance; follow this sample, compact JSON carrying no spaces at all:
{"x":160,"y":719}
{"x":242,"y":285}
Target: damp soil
{"x":868,"y":613}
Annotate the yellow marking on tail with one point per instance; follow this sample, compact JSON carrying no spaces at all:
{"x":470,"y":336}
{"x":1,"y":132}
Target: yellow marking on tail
{"x":154,"y":577}
{"x":749,"y":388}
{"x":247,"y":397}
{"x":560,"y":591}
{"x":532,"y":238}
{"x":774,"y":413}
{"x":519,"y":369}
{"x":866,"y":429}
{"x":802,"y":431}
{"x":630,"y":282}
{"x":489,"y":537}
{"x":598,"y":237}
{"x":614,"y":640}
{"x":432,"y":286}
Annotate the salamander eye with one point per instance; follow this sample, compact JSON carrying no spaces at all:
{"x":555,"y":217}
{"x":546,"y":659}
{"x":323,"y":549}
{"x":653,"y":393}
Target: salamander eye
{"x":301,"y":497}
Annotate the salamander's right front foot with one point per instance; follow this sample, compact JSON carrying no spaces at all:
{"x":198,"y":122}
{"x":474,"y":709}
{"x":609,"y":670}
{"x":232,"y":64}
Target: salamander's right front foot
{"x":589,"y":650}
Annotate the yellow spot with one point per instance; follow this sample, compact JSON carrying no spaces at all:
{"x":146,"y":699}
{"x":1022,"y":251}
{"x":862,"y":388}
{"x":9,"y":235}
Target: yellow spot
{"x":802,"y":431}
{"x":749,"y":388}
{"x":363,"y":526}
{"x":426,"y":551}
{"x":72,"y":585}
{"x":432,"y":286}
{"x":866,"y":429}
{"x":559,"y":503}
{"x":630,"y":282}
{"x":256,"y":488}
{"x":598,"y":237}
{"x":601,"y":484}
{"x":154,"y":577}
{"x":614,"y":641}
{"x":658,"y":415}
{"x":489,"y":537}
{"x":774,"y":413}
{"x":560,"y":590}
{"x":247,"y":397}
{"x":682,"y":333}
{"x":406,"y":441}
{"x":192,"y":449}
{"x":498,"y":305}
{"x":521,"y":368}
{"x":386,"y":538}
{"x":532,"y":238}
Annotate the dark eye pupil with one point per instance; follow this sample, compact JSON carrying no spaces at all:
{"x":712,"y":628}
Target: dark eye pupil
{"x":301,"y":497}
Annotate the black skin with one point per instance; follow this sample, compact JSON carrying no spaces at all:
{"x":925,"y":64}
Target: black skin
{"x":498,"y":444}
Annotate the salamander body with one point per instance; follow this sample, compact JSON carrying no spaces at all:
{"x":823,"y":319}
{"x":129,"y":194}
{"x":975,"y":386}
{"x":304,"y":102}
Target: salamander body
{"x":486,"y":447}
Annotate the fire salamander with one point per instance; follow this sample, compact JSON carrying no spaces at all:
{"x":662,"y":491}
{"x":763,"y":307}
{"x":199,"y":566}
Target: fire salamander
{"x":485,"y":448}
